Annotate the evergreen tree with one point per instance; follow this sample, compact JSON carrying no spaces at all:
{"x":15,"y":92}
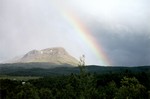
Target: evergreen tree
{"x":27,"y":91}
{"x":45,"y":93}
{"x":131,"y":89}
{"x":86,"y":86}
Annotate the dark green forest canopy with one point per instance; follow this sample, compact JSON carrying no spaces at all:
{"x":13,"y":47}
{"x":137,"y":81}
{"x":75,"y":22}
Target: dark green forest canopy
{"x":83,"y":82}
{"x":82,"y":85}
{"x":43,"y":69}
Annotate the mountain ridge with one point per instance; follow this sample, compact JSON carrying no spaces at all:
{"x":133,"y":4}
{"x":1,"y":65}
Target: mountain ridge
{"x":55,"y":55}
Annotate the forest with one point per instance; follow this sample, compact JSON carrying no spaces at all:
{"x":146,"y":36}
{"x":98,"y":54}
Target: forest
{"x":84,"y":85}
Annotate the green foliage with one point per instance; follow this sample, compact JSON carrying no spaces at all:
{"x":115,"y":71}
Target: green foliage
{"x":45,"y":93}
{"x":27,"y":91}
{"x":148,"y":94}
{"x":131,"y":89}
{"x":84,"y":85}
{"x":109,"y":90}
{"x":81,"y":65}
{"x":46,"y":69}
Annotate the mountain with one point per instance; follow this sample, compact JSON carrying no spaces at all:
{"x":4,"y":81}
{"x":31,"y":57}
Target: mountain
{"x":57,"y":56}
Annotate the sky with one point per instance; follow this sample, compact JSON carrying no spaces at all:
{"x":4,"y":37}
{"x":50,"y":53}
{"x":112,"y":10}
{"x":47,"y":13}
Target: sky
{"x":107,"y":32}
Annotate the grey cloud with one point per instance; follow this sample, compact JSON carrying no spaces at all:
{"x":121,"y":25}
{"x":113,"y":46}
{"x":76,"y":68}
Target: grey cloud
{"x":36,"y":24}
{"x":128,"y":48}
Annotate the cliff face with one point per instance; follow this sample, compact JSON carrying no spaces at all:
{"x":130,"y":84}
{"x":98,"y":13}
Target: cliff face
{"x":55,"y":55}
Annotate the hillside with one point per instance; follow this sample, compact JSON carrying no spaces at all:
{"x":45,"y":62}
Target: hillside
{"x":57,"y":55}
{"x":45,"y":69}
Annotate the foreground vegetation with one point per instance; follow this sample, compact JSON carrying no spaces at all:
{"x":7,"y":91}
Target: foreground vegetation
{"x":21,"y":78}
{"x":82,"y":85}
{"x":13,"y":70}
{"x":123,"y":85}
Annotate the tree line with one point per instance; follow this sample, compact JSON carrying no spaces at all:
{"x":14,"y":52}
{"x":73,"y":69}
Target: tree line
{"x":85,"y":85}
{"x":124,"y":85}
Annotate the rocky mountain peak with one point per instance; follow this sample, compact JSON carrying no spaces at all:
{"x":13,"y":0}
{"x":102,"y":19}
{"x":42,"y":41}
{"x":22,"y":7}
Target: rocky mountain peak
{"x":54,"y":51}
{"x":56,"y":55}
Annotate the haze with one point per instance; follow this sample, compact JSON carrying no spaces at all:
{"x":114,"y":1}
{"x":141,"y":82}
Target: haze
{"x":122,"y":27}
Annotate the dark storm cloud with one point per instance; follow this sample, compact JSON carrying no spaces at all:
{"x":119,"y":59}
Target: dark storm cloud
{"x":123,"y":46}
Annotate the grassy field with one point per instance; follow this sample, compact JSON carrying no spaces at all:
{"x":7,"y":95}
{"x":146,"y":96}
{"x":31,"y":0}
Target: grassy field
{"x":22,"y":78}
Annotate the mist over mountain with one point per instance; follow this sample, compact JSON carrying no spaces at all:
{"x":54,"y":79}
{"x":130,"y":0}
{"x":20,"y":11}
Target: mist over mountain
{"x":57,"y":56}
{"x":119,"y":27}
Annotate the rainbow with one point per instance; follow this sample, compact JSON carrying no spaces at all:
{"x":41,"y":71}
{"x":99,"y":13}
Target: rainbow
{"x":86,"y":35}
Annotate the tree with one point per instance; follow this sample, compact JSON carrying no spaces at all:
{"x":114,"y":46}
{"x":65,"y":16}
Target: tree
{"x":45,"y":93}
{"x":27,"y":91}
{"x":82,"y":65}
{"x":86,"y":82}
{"x":108,"y":92}
{"x":131,"y":89}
